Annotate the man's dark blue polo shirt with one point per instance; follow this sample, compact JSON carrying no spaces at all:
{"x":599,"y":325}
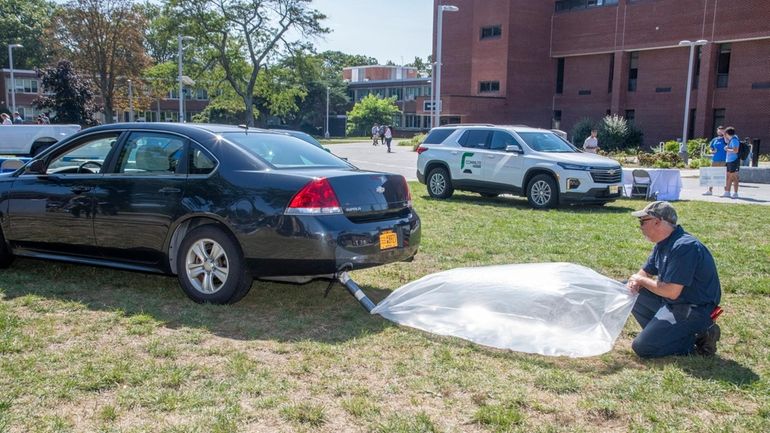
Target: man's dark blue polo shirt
{"x":683,"y":259}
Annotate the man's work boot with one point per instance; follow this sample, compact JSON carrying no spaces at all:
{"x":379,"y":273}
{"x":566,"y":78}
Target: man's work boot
{"x":706,"y":342}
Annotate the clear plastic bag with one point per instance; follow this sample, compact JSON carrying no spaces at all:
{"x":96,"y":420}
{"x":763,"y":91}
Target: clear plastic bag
{"x":555,"y":309}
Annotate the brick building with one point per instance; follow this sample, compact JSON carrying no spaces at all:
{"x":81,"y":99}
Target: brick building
{"x":552,"y":63}
{"x":28,"y":87}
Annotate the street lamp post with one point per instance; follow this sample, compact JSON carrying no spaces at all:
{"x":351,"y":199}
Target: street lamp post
{"x":437,"y":96}
{"x":130,"y":102}
{"x":326,"y":133}
{"x":692,"y":46}
{"x":13,"y":82}
{"x":181,"y":39}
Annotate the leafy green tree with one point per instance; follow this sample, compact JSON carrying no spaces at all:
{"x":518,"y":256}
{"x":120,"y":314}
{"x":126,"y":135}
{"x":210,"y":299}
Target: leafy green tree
{"x":423,"y":68}
{"x":160,"y":36}
{"x":245,"y":35}
{"x":66,"y":94}
{"x":25,"y":22}
{"x":370,"y":110}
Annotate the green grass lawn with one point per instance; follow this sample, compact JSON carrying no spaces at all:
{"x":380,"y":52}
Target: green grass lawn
{"x":88,"y":349}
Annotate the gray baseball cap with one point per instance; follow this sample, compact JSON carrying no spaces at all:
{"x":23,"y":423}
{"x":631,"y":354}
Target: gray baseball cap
{"x":658,"y":209}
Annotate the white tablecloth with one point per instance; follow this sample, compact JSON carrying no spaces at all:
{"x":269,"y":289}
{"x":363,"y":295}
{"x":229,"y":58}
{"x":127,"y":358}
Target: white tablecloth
{"x":665,"y":183}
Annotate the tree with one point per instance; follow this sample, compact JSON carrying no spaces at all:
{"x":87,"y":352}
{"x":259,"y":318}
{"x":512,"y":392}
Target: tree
{"x":371,"y":110}
{"x":160,"y":39}
{"x":25,"y":22}
{"x":70,"y":96}
{"x":423,"y":68}
{"x":105,"y":39}
{"x":246,"y":35}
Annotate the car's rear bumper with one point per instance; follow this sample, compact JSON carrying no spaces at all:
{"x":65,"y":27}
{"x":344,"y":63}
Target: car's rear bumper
{"x":593,"y":195}
{"x":420,"y":177}
{"x":304,"y":245}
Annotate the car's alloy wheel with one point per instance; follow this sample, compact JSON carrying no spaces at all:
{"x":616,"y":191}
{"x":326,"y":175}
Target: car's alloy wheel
{"x":213,"y":267}
{"x":542,"y":192}
{"x":439,"y":183}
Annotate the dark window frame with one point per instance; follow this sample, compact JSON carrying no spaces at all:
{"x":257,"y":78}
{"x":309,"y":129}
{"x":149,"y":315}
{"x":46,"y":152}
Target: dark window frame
{"x":491,"y":32}
{"x":633,"y":70}
{"x":489,"y":86}
{"x":560,"y":75}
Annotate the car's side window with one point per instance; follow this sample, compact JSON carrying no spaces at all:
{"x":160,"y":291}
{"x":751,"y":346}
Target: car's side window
{"x":475,"y":138}
{"x":500,"y":140}
{"x":151,"y":154}
{"x":200,"y":161}
{"x":87,"y":157}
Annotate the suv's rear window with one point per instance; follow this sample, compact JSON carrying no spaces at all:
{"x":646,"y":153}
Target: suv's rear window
{"x":283,"y":151}
{"x":437,"y":136}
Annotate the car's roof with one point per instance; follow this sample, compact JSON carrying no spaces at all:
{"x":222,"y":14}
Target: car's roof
{"x":515,"y":128}
{"x":178,"y":127}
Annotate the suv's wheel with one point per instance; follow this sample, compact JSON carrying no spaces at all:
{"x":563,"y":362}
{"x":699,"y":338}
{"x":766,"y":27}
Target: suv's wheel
{"x":212,"y":267}
{"x":5,"y":253}
{"x":542,"y":192}
{"x":439,"y":183}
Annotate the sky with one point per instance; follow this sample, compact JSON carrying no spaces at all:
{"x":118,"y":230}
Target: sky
{"x":383,"y":29}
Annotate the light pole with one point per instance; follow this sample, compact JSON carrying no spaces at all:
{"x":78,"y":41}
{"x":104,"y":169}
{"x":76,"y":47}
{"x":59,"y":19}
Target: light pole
{"x":130,"y":102}
{"x":437,"y":96}
{"x":692,"y":46}
{"x":13,"y":82}
{"x":326,"y":134}
{"x":181,"y":39}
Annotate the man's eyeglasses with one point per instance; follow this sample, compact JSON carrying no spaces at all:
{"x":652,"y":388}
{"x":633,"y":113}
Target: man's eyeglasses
{"x":644,"y":220}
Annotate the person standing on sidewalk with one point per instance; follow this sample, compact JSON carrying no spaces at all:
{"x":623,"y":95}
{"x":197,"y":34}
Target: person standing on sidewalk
{"x":717,"y":150}
{"x":732,"y":145}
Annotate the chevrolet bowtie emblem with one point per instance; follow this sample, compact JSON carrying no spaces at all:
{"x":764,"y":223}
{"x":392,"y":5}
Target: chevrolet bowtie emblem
{"x":380,"y":189}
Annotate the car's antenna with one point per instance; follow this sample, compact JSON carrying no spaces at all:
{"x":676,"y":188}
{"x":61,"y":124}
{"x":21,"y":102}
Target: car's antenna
{"x":245,"y":127}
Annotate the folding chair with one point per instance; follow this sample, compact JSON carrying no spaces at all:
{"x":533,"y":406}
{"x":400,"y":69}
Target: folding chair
{"x":641,"y":183}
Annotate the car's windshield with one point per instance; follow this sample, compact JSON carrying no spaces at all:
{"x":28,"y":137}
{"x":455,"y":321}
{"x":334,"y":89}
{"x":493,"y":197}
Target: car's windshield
{"x":544,"y":141}
{"x":283,"y":151}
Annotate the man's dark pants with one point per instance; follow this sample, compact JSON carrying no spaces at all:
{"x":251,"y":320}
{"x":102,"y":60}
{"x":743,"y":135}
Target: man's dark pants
{"x":667,"y":329}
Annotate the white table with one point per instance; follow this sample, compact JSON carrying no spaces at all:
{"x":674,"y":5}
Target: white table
{"x":665,"y":183}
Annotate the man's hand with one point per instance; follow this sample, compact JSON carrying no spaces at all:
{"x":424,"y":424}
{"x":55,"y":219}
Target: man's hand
{"x":633,"y":283}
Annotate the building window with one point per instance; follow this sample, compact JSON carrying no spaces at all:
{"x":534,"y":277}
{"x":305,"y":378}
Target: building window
{"x":567,"y":5}
{"x":23,"y":85}
{"x":696,"y":67}
{"x":719,"y":118}
{"x":491,"y":32}
{"x":612,"y":73}
{"x":560,"y":75}
{"x":489,"y":86}
{"x":630,"y":116}
{"x":723,"y":64}
{"x":633,"y":71}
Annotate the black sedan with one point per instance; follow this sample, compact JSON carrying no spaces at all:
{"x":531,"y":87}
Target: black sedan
{"x":215,"y":205}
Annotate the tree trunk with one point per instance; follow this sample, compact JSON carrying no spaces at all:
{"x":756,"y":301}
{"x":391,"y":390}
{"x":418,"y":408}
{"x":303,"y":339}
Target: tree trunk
{"x":249,"y":101}
{"x":107,"y":114}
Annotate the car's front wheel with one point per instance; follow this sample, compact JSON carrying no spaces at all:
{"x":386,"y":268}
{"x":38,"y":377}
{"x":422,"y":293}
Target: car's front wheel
{"x":542,"y":192}
{"x":439,"y":183}
{"x":5,"y":253}
{"x":212,"y":267}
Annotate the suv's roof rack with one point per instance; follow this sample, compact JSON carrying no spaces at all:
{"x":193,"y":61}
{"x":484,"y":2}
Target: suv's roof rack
{"x":468,"y":124}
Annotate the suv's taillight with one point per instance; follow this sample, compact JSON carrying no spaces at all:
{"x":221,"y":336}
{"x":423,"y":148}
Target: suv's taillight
{"x":421,"y":149}
{"x":315,"y":198}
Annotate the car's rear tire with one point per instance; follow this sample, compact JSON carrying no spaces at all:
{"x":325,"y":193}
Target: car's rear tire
{"x":212,"y":269}
{"x":542,"y":192}
{"x":6,"y":258}
{"x":439,"y":183}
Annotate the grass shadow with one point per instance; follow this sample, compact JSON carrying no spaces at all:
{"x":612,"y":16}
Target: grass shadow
{"x":514,"y":202}
{"x":272,"y":311}
{"x":713,"y":368}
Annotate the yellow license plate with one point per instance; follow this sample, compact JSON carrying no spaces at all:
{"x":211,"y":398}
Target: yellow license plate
{"x":388,"y":240}
{"x":614,"y":189}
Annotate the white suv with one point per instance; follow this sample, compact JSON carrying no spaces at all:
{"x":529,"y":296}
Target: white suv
{"x":531,"y":162}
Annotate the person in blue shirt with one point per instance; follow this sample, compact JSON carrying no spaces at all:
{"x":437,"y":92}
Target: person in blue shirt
{"x":678,"y":289}
{"x":732,"y":145}
{"x":717,"y":150}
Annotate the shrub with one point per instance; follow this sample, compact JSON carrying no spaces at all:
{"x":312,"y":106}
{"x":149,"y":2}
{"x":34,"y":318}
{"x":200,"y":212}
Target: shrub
{"x":414,"y":141}
{"x":616,"y":133}
{"x":582,"y":130}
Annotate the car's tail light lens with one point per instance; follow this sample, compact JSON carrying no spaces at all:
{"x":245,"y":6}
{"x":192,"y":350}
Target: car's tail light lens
{"x":421,"y":149}
{"x":315,"y":198}
{"x":408,"y":194}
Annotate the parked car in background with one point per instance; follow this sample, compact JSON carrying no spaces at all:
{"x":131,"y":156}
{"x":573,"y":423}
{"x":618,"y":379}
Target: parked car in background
{"x":520,"y":160}
{"x":32,"y":139}
{"x":215,"y":205}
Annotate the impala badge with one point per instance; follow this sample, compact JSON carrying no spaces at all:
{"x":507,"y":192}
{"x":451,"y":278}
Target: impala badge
{"x":380,"y":190}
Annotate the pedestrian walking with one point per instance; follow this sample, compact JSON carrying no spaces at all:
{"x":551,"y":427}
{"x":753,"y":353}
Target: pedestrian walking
{"x":17,"y":119}
{"x":375,"y":134}
{"x":388,"y":137}
{"x":6,"y":119}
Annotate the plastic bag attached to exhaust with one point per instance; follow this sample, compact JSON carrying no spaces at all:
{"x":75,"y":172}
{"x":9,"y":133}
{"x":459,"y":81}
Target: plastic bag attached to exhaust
{"x":555,"y":309}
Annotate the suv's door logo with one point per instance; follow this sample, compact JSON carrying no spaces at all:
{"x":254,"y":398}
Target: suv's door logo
{"x":471,"y":163}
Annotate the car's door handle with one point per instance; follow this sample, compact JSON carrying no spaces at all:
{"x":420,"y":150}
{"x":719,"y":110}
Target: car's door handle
{"x":80,"y":189}
{"x":169,"y":190}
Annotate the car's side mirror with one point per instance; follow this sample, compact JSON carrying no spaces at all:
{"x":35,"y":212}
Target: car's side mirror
{"x":514,"y":148}
{"x":36,"y":167}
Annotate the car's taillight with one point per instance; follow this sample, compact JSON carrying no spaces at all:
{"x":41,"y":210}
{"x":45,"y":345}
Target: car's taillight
{"x":315,"y":198}
{"x":421,"y":149}
{"x":408,"y":194}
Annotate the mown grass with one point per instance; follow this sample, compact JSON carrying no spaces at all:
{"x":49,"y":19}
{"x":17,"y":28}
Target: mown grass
{"x":86,"y":349}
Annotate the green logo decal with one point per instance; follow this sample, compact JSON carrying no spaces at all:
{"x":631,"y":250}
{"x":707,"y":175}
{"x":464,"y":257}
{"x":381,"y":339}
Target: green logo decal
{"x":462,"y":162}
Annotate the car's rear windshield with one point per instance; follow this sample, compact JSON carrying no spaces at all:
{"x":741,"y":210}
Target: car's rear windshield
{"x":543,"y":141}
{"x":437,"y":136}
{"x":284,"y":151}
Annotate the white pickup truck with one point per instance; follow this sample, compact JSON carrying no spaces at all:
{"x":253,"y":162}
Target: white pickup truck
{"x":32,"y":139}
